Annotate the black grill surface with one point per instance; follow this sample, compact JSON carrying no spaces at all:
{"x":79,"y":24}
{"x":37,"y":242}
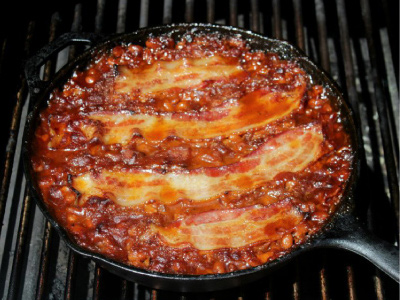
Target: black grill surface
{"x":355,"y":41}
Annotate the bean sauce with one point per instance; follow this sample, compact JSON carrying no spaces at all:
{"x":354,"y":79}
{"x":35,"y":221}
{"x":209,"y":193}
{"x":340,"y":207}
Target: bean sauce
{"x":199,"y":79}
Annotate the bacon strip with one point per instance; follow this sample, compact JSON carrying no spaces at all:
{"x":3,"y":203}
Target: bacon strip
{"x":254,"y":110}
{"x":231,"y":228}
{"x":183,"y":73}
{"x":288,"y":152}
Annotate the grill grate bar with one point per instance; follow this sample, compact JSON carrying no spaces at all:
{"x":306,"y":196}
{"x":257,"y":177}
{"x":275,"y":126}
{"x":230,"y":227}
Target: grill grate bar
{"x":189,"y":7}
{"x":277,"y":21}
{"x":69,"y":285}
{"x":210,"y":11}
{"x":268,"y":294}
{"x":298,"y":17}
{"x":153,"y":295}
{"x":98,"y":24}
{"x":167,"y":14}
{"x":386,"y":120}
{"x":144,"y":13}
{"x":392,"y":26}
{"x":122,"y":5}
{"x":378,"y":286}
{"x":391,"y":76}
{"x":77,"y":20}
{"x":350,"y":282}
{"x":323,"y":282}
{"x":76,"y":27}
{"x":124,"y":290}
{"x":296,"y":284}
{"x":135,"y":291}
{"x":15,"y":279}
{"x":233,"y":17}
{"x":322,"y":35}
{"x":97,"y":278}
{"x":348,"y":60}
{"x":255,"y":16}
{"x":44,"y":261}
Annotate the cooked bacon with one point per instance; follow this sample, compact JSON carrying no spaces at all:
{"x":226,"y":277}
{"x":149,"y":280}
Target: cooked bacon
{"x":254,"y":110}
{"x":183,"y":73}
{"x":231,"y":228}
{"x":291,"y":151}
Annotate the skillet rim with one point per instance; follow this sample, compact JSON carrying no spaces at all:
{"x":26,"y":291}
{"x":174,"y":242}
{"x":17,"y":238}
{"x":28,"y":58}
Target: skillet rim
{"x":344,"y":208}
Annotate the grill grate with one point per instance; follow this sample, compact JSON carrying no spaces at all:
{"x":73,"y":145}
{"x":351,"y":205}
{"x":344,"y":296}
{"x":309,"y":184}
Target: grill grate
{"x":359,"y":52}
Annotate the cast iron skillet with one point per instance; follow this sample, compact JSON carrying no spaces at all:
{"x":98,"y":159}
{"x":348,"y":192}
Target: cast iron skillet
{"x":343,"y":231}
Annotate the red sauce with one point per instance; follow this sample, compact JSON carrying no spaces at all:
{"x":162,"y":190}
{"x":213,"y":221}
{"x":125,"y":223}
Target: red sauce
{"x":63,"y":150}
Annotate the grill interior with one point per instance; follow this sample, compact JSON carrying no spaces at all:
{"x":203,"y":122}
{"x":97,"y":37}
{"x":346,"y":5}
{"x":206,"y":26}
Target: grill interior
{"x":355,"y":41}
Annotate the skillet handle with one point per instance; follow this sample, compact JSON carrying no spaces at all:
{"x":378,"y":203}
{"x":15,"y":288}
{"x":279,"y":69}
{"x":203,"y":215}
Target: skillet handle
{"x":349,"y":234}
{"x":32,"y":67}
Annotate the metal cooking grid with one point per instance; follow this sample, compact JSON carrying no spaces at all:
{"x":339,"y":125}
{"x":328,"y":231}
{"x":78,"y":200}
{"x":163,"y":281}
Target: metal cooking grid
{"x":357,"y":44}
